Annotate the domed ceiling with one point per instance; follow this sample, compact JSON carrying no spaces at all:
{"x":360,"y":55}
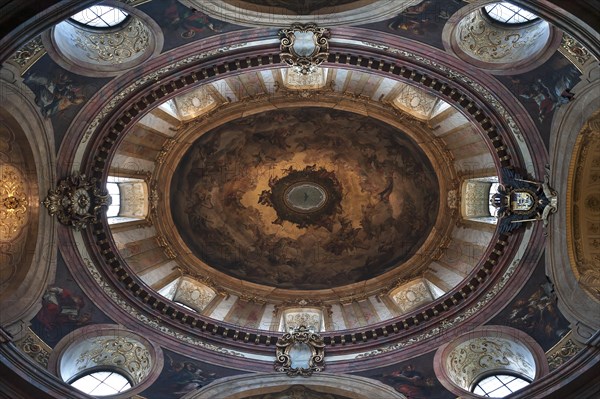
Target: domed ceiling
{"x":304,"y":198}
{"x":305,"y":214}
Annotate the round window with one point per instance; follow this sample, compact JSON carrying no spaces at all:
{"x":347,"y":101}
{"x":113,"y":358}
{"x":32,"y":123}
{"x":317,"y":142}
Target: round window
{"x":100,"y":17}
{"x":499,"y":385}
{"x":508,"y":13}
{"x":102,"y":383}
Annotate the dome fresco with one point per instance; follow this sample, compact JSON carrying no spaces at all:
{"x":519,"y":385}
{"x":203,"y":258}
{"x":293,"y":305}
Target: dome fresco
{"x":386,"y":189}
{"x":262,"y":218}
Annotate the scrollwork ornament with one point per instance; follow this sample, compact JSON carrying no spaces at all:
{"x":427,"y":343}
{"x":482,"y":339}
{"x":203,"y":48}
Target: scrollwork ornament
{"x":300,"y":336}
{"x":120,"y":352}
{"x":114,"y":47}
{"x":304,"y":63}
{"x":77,"y":201}
{"x":35,"y":348}
{"x":563,"y":354}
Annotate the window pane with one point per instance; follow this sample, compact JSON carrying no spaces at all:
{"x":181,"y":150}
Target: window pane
{"x":500,"y":392}
{"x":116,"y":381}
{"x":506,"y":378}
{"x":517,"y":384}
{"x":509,"y":13}
{"x":185,"y":306}
{"x":103,"y":390}
{"x":100,"y":16}
{"x":493,"y":190}
{"x":86,"y":384}
{"x":102,"y":383}
{"x":489,"y":384}
{"x":499,"y":385}
{"x":113,"y":188}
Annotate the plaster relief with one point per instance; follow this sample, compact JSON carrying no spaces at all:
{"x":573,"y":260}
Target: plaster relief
{"x":475,"y":357}
{"x":495,"y":43}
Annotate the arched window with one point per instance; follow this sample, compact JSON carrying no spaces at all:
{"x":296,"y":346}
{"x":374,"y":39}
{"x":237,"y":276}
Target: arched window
{"x":100,"y":17}
{"x":115,"y":195}
{"x":102,"y":383}
{"x":129,"y":199}
{"x":508,"y":13}
{"x":499,"y":385}
{"x":475,"y":199}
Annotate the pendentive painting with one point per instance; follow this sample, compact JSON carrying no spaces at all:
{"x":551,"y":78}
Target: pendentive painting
{"x":414,"y":378}
{"x":65,"y":308}
{"x":535,"y":311}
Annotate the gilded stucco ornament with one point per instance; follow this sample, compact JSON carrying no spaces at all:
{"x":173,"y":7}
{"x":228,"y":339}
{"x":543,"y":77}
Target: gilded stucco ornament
{"x":520,"y":200}
{"x":27,"y":55}
{"x":77,"y":201}
{"x":574,"y":51}
{"x":113,"y":47}
{"x":300,"y":352}
{"x":35,"y":348}
{"x":14,"y":205}
{"x":304,"y":47}
{"x":119,"y":352}
{"x":563,"y":351}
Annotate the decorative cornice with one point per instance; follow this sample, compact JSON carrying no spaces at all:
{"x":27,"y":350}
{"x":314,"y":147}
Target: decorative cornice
{"x":154,"y":323}
{"x":452,"y":94}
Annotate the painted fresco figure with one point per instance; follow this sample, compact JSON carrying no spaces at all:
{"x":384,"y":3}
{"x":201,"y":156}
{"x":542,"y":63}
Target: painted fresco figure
{"x":59,"y":306}
{"x":53,"y":95}
{"x":192,"y":21}
{"x":552,"y":93}
{"x":412,"y":383}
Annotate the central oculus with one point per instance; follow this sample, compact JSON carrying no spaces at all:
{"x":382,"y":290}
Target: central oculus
{"x":305,"y":197}
{"x":308,"y":197}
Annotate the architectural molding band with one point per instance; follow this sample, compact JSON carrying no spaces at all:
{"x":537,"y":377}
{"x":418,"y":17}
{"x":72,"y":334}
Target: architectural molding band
{"x":338,"y":384}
